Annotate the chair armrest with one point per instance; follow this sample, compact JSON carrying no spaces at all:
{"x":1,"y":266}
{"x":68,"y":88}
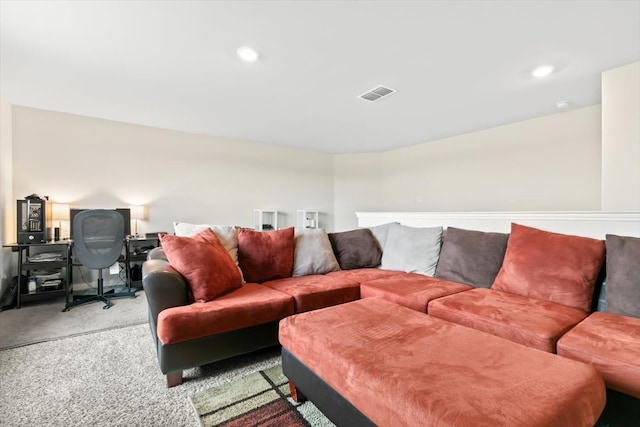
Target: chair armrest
{"x":164,"y":287}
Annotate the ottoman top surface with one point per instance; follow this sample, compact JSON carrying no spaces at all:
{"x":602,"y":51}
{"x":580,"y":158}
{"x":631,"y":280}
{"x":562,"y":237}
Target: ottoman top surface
{"x":399,"y":367}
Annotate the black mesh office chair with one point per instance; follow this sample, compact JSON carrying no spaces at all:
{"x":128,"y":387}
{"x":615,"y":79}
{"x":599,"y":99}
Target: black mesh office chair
{"x":98,"y":238}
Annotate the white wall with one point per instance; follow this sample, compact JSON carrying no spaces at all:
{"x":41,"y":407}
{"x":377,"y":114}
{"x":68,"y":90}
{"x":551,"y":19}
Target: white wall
{"x":621,"y":138}
{"x":7,"y":224}
{"x":548,"y":163}
{"x":91,"y":162}
{"x":357,"y":186}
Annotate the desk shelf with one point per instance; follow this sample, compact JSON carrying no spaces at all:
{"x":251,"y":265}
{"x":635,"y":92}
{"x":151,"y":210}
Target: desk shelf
{"x":27,"y":268}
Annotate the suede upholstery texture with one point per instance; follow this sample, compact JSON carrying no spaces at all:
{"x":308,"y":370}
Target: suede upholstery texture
{"x":317,"y":291}
{"x":250,"y":305}
{"x":312,"y":253}
{"x":412,"y":249}
{"x":471,"y":257}
{"x":532,"y":322}
{"x":411,"y":290}
{"x":204,"y":262}
{"x":611,"y":343}
{"x":227,"y":234}
{"x":356,"y":249}
{"x":623,"y":275}
{"x":551,"y":266}
{"x":265,"y":255}
{"x":402,"y":368}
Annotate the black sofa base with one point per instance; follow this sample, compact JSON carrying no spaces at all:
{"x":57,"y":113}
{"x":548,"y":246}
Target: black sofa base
{"x":335,"y":407}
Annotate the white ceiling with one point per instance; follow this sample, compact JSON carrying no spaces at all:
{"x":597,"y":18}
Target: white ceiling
{"x":457,"y":66}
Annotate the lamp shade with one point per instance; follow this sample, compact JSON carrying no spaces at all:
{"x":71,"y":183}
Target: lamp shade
{"x":60,"y":211}
{"x":137,"y":211}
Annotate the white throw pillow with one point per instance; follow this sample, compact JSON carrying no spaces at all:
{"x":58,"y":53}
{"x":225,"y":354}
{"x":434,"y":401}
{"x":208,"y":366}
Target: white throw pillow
{"x":312,"y":253}
{"x":412,"y":249}
{"x":228,"y":235}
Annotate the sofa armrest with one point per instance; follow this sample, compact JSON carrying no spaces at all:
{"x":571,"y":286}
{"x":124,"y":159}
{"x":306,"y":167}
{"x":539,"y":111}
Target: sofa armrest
{"x":163,"y":286}
{"x":157,"y":253}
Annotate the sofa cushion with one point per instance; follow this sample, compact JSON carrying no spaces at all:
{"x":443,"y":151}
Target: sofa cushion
{"x":312,"y":253}
{"x":246,"y":306}
{"x":551,"y":266}
{"x":532,"y":322}
{"x":360,"y":275}
{"x":611,"y":343}
{"x":471,"y":257}
{"x":412,"y":249}
{"x":316,"y":291}
{"x":227,"y":234}
{"x":356,"y":249}
{"x":204,"y":263}
{"x":623,"y":275}
{"x":380,"y":232}
{"x":265,"y":255}
{"x":410,"y":290}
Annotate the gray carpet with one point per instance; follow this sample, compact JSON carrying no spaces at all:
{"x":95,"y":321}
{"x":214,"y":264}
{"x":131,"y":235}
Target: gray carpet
{"x":38,"y":322}
{"x":105,"y":378}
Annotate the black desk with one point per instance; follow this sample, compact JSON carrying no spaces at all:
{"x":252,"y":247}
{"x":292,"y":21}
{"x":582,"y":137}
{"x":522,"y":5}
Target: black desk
{"x":135,"y":251}
{"x":25,"y":265}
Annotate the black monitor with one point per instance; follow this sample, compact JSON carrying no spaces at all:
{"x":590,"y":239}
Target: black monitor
{"x":125,"y":212}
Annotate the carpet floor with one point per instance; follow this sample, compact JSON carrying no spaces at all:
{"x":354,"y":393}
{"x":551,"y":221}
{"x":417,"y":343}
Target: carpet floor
{"x":45,"y":321}
{"x":259,"y":399}
{"x":106,"y":378}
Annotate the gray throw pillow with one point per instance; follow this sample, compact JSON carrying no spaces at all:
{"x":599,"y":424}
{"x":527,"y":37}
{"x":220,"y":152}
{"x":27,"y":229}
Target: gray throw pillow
{"x":412,"y":249}
{"x":356,"y":249}
{"x":312,"y":253}
{"x":623,"y":275}
{"x":471,"y":257}
{"x":380,"y":232}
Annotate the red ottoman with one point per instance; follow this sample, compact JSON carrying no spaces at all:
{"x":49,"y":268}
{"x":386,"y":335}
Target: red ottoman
{"x":396,"y":366}
{"x":611,"y":343}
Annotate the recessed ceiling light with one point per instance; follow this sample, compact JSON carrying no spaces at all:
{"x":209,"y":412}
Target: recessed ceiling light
{"x":562,"y":104}
{"x":247,"y":54}
{"x":542,"y":71}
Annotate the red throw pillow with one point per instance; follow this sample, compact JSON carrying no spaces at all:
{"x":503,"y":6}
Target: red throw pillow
{"x":551,"y":266}
{"x":204,"y":263}
{"x":265,"y":255}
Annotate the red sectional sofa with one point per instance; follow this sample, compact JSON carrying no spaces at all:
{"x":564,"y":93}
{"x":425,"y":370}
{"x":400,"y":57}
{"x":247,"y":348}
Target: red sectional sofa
{"x":532,"y":287}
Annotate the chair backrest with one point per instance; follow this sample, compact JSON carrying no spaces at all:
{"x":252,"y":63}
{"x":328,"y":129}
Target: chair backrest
{"x":98,"y":237}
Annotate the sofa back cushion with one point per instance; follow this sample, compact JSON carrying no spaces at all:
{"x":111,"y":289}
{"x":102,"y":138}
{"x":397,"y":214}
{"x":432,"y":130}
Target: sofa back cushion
{"x":471,"y":257}
{"x":265,"y":255}
{"x":412,"y":249}
{"x":312,"y":253}
{"x":203,"y":262}
{"x":623,"y":275}
{"x":551,"y":266}
{"x":356,"y":249}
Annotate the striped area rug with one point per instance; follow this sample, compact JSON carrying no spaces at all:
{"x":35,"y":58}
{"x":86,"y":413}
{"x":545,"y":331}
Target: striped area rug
{"x":259,"y":399}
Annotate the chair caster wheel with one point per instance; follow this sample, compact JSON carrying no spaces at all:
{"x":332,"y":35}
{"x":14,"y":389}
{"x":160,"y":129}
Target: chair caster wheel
{"x":106,"y":307}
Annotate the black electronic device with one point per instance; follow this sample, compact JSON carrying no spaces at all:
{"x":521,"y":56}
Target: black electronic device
{"x":125,"y":212}
{"x":33,"y":220}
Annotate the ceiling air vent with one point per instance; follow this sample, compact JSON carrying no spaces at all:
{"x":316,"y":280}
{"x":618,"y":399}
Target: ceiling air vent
{"x":377,"y":93}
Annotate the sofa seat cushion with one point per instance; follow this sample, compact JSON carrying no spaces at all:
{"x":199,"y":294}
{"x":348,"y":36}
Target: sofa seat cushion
{"x":410,"y":289}
{"x":534,"y":323}
{"x":250,"y":305}
{"x":317,"y":290}
{"x":611,"y":343}
{"x":360,"y":275}
{"x":403,"y":368}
